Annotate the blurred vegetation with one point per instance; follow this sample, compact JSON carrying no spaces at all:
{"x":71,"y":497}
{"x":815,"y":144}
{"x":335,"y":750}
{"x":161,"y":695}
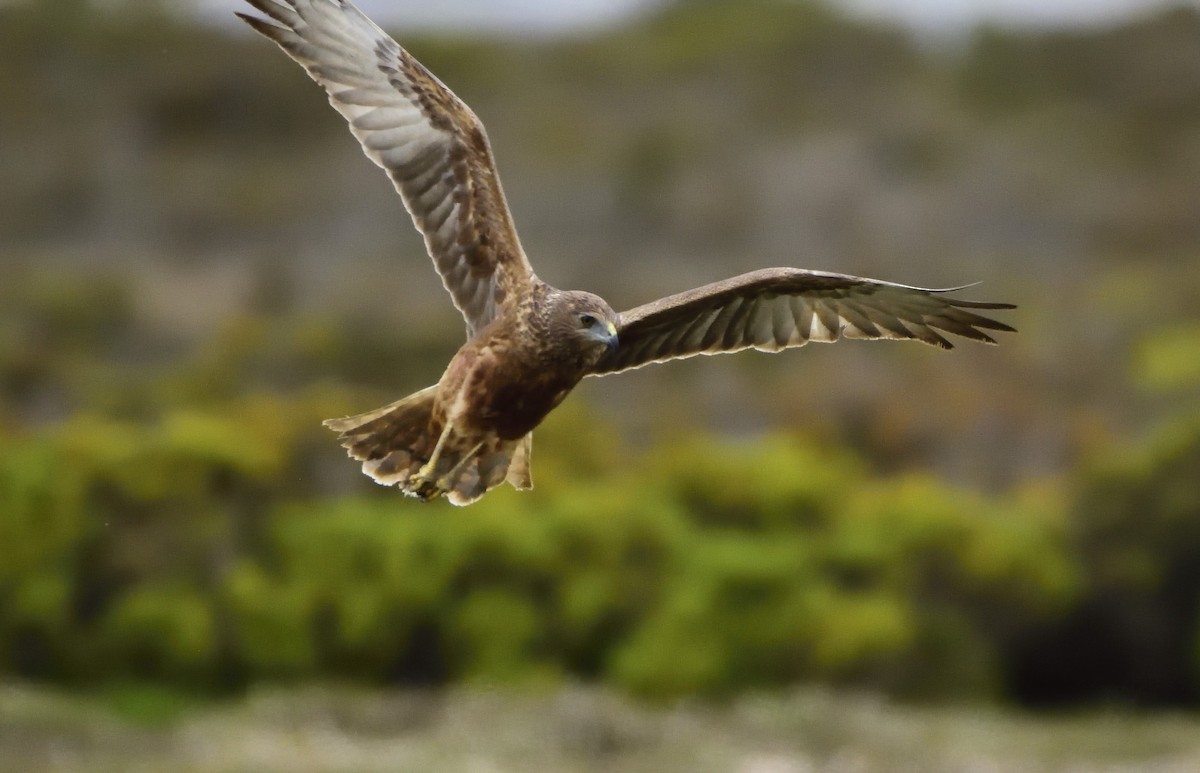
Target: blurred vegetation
{"x":192,"y":550}
{"x":199,"y":546}
{"x":1016,"y":523}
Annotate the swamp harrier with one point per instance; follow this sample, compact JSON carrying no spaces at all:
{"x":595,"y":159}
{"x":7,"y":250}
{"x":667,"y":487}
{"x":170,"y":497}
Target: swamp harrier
{"x":528,"y":344}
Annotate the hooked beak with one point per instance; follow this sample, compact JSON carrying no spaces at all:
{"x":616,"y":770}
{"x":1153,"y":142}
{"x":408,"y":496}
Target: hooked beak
{"x":608,"y":336}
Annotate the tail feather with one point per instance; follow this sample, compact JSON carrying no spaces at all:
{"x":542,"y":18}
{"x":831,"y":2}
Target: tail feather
{"x":519,"y":476}
{"x":396,"y":442}
{"x":372,"y":435}
{"x":486,"y":470}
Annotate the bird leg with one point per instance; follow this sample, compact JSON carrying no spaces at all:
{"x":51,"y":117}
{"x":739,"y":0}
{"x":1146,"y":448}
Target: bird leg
{"x":454,"y":471}
{"x":421,"y":484}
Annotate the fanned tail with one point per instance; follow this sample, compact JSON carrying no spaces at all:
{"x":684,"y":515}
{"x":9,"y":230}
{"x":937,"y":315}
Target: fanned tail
{"x":389,"y":433}
{"x":395,"y":443}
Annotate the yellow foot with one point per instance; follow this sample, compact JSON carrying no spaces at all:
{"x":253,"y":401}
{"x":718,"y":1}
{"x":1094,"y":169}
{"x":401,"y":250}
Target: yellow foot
{"x":421,"y":487}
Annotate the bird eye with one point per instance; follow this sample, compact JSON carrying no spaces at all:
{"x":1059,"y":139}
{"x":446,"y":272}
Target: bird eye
{"x":587,"y":321}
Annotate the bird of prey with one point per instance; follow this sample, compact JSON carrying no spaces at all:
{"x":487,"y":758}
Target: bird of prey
{"x":529,"y":343}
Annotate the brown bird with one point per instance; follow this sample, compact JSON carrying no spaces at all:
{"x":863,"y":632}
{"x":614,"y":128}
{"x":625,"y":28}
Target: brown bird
{"x":528,"y":344}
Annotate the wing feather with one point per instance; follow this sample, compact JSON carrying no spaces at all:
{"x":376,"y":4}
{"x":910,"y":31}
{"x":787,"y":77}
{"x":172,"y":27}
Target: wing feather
{"x":859,"y":324}
{"x":831,"y":320}
{"x":783,"y":325}
{"x":434,"y":149}
{"x":802,"y":312}
{"x":781,"y":308}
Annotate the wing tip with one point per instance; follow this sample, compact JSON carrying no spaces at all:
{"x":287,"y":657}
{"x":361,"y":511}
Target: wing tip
{"x":265,"y":27}
{"x":977,"y":321}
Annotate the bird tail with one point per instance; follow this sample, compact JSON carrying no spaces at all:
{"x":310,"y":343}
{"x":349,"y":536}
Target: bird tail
{"x":395,"y":443}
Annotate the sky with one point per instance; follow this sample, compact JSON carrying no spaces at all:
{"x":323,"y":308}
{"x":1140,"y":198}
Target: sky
{"x":938,"y":17}
{"x":941,"y":16}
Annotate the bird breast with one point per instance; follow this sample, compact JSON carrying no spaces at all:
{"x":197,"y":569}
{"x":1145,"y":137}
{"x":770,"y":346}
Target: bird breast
{"x":500,"y":392}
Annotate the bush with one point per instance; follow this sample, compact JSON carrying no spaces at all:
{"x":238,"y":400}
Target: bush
{"x":712,"y":567}
{"x":1133,"y":633}
{"x":161,"y":633}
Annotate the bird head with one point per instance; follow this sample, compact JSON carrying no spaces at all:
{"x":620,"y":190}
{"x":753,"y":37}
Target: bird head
{"x":589,"y":321}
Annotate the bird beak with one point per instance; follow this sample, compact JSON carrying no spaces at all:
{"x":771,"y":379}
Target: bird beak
{"x":610,"y":338}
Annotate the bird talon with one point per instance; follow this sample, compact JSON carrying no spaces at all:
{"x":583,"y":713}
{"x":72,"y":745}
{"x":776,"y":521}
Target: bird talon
{"x":421,"y":487}
{"x":422,"y":484}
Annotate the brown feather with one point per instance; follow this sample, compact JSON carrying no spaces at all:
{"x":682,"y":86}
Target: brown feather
{"x":434,"y":149}
{"x":817,"y":305}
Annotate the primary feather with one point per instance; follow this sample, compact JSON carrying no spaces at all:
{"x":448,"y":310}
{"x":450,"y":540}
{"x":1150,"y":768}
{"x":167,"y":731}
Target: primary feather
{"x":431,"y":145}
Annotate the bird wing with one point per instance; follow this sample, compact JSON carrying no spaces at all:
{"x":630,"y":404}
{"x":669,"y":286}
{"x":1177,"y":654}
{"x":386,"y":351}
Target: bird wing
{"x":430,"y":143}
{"x":780,"y":308}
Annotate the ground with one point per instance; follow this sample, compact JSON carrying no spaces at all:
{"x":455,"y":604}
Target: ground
{"x":571,"y":729}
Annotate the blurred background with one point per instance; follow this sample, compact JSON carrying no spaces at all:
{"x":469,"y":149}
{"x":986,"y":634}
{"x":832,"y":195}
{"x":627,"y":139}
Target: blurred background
{"x":869,"y":556}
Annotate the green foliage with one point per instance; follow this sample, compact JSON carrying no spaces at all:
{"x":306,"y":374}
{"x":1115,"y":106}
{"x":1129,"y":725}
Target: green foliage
{"x":1136,"y":518}
{"x":160,"y":632}
{"x":149,"y":705}
{"x":117,"y":532}
{"x":1140,"y":512}
{"x":1170,"y":359}
{"x":272,"y":623}
{"x":711,"y":568}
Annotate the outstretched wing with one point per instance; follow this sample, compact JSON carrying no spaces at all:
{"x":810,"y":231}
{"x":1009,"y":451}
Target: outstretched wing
{"x":429,"y":142}
{"x":780,"y":308}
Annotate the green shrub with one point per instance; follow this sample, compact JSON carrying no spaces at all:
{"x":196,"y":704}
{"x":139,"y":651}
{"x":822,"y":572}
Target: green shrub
{"x":160,"y":633}
{"x":183,"y":552}
{"x":271,"y":624}
{"x":1135,"y":515}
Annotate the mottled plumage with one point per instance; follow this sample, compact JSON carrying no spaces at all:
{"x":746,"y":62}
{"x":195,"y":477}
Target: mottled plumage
{"x":528,"y":344}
